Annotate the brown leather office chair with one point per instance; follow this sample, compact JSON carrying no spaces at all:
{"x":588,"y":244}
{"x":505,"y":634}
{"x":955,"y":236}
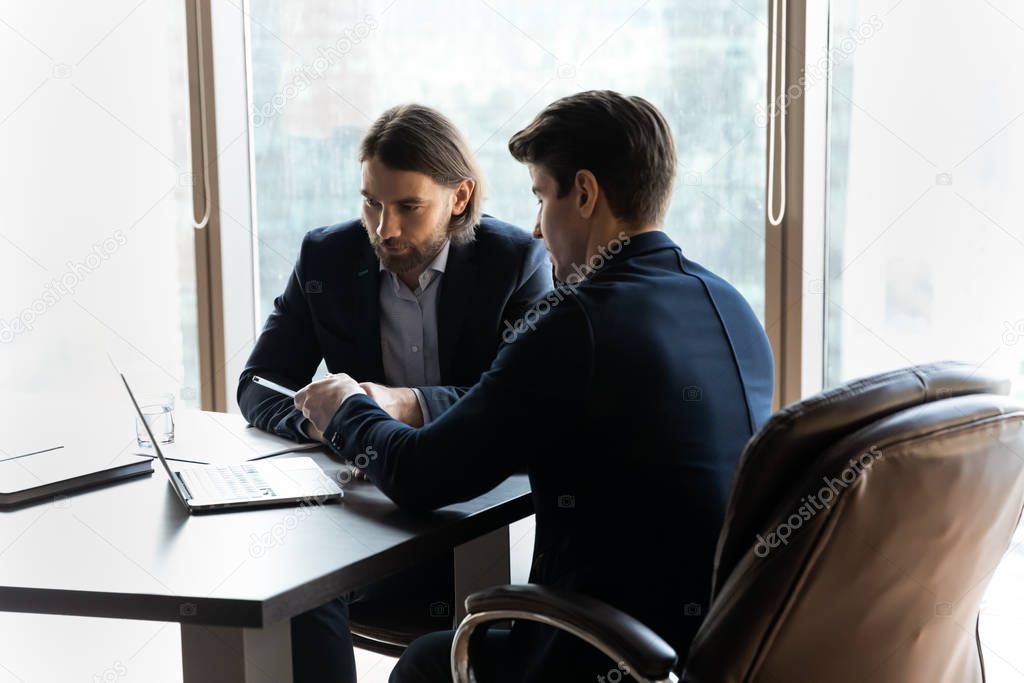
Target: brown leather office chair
{"x":918,"y":484}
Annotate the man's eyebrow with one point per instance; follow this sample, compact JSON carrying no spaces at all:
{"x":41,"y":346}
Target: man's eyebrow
{"x":404,"y":200}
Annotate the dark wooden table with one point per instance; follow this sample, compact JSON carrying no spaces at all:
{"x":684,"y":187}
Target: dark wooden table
{"x":234,"y":579}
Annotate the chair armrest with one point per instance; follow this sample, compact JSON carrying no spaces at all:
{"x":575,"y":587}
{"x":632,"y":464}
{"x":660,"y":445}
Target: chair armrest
{"x":624,"y":639}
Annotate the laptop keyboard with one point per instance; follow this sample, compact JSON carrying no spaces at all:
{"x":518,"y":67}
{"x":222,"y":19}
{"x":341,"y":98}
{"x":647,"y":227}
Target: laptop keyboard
{"x":228,"y":482}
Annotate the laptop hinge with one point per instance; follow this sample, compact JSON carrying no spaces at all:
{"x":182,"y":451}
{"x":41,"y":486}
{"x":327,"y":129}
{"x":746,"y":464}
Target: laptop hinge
{"x":184,"y":487}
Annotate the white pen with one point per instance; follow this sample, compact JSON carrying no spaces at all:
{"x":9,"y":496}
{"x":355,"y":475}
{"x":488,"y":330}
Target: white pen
{"x":274,"y":386}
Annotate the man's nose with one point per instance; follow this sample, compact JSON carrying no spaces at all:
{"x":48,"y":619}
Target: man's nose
{"x":389,"y":225}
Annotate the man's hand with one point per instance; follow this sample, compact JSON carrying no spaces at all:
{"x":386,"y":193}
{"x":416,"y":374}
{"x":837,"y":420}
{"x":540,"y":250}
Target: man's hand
{"x":398,"y":402}
{"x":320,"y":400}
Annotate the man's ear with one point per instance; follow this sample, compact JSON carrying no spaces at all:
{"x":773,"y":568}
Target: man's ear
{"x":463,"y":193}
{"x":587,"y":191}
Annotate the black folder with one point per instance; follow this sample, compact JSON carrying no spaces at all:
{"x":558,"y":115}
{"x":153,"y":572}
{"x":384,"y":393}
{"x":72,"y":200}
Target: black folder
{"x":41,"y":476}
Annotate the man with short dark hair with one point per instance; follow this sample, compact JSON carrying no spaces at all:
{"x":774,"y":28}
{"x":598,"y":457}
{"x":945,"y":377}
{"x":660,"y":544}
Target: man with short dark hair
{"x":412,"y":299}
{"x":628,"y":395}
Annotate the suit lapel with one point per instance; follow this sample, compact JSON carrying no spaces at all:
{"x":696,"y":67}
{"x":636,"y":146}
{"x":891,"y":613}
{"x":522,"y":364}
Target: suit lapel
{"x":456,"y":292}
{"x":367,"y":291}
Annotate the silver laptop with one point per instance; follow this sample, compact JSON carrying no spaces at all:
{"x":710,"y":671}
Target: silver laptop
{"x":215,"y":487}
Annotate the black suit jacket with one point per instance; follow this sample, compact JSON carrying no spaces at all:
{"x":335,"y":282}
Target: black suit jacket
{"x":330,"y":310}
{"x":629,"y":403}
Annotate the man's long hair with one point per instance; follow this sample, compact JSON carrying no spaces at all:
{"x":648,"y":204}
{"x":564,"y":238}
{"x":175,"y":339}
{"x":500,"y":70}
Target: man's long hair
{"x":411,"y":137}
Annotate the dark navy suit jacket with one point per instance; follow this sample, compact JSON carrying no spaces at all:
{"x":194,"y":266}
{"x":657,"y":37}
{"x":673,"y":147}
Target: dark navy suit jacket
{"x":330,"y":310}
{"x":628,"y":402}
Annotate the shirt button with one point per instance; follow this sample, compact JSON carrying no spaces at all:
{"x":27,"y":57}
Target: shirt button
{"x":415,"y":348}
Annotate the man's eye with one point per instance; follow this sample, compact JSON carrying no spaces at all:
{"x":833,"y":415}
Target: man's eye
{"x":410,"y":208}
{"x":372,"y":204}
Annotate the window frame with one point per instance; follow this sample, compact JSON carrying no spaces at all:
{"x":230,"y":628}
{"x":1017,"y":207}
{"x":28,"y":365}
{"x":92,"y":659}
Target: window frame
{"x":795,"y":277}
{"x":794,"y":250}
{"x":225,"y":248}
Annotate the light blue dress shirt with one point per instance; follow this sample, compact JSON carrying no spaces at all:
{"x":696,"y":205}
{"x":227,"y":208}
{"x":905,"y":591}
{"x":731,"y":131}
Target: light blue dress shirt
{"x":408,"y":328}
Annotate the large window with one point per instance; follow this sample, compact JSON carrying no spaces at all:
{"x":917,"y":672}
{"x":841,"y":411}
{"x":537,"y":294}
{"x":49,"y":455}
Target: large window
{"x":322,"y":71}
{"x":96,"y":239}
{"x":96,"y":257}
{"x":925,"y":236}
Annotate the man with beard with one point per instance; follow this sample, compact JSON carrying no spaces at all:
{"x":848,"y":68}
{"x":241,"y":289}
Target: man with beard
{"x":628,"y":396}
{"x":414,"y":295}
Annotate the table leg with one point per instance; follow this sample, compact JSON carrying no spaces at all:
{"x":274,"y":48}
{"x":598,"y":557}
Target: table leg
{"x":480,"y":563}
{"x":222,"y":654}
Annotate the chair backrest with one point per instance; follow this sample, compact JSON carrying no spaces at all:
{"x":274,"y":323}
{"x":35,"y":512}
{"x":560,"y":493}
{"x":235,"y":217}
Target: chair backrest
{"x":874,"y":559}
{"x":794,"y":438}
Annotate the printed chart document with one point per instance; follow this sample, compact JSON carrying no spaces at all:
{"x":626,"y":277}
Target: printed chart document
{"x":24,"y":428}
{"x":220,"y":439}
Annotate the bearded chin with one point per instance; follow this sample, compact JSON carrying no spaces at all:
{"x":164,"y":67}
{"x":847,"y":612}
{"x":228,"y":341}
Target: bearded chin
{"x":416,"y":257}
{"x":402,"y":263}
{"x":419,"y":255}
